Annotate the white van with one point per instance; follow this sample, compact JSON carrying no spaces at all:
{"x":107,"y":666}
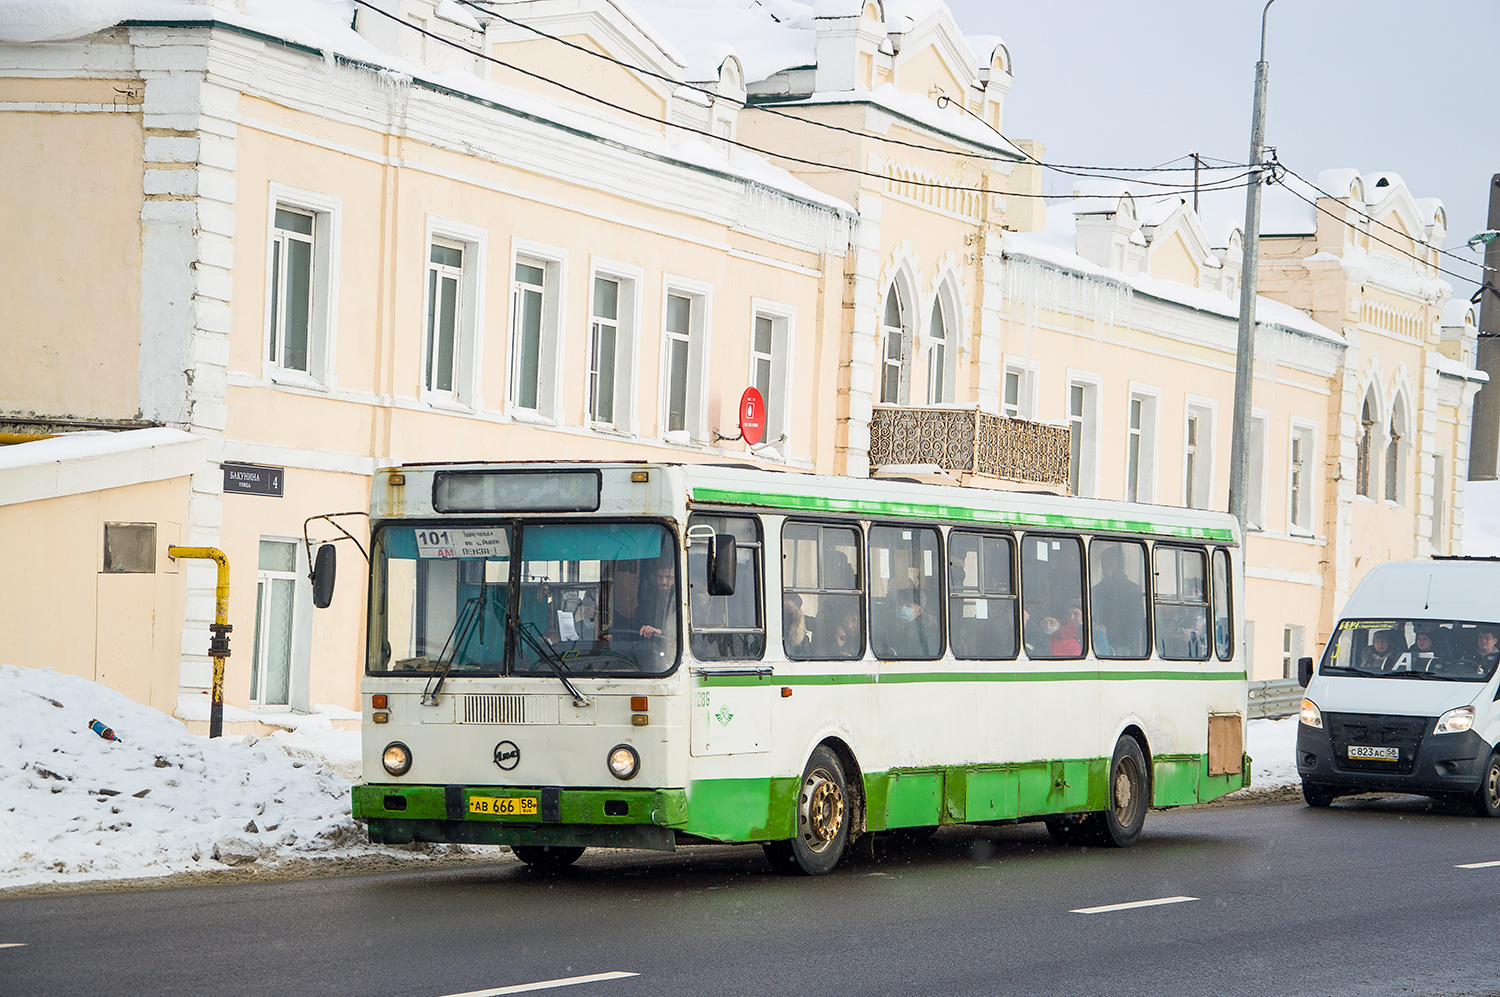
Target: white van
{"x":1404,"y":700}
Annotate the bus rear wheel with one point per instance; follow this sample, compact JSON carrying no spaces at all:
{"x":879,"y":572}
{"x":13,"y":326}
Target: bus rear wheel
{"x":823,"y":819}
{"x":548,"y":856}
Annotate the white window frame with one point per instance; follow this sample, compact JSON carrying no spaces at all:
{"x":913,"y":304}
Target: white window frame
{"x":1088,"y":421}
{"x":1255,"y":481}
{"x":946,"y":372}
{"x":299,"y":667}
{"x":1439,"y":533}
{"x":1150,"y":437}
{"x":553,"y":261}
{"x":695,"y":416}
{"x":1202,"y":490}
{"x":323,"y":318}
{"x":1293,"y":640}
{"x":468,"y":345}
{"x":1030,"y":374}
{"x":627,"y":345}
{"x":1299,"y":513}
{"x":1402,"y":443}
{"x":783,"y":330}
{"x":907,"y":303}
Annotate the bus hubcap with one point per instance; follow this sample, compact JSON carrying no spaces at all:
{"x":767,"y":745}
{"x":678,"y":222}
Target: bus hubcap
{"x":1124,"y":794}
{"x":822,"y":809}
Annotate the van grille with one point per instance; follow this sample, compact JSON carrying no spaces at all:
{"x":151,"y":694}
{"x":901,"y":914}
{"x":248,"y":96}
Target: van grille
{"x":494,"y":709}
{"x":1374,"y":730}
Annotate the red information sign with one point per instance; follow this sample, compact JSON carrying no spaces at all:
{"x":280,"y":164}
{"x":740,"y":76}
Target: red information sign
{"x":752,"y":416}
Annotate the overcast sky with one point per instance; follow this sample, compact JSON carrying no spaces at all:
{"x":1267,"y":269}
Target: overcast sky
{"x":1411,"y":86}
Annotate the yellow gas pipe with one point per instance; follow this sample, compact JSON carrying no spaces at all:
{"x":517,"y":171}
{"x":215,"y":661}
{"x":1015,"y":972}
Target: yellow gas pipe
{"x":218,"y":645}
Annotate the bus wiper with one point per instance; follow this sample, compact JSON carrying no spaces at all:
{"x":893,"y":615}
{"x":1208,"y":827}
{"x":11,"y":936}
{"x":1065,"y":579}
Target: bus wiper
{"x":473,"y":610}
{"x":539,"y":645}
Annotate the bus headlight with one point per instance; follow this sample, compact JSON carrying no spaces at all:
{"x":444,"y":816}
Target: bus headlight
{"x":624,"y":763}
{"x":1311,"y":715}
{"x":1455,"y":721}
{"x":396,"y":758}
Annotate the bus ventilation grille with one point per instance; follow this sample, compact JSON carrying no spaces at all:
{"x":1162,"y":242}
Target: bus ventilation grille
{"x":494,"y":709}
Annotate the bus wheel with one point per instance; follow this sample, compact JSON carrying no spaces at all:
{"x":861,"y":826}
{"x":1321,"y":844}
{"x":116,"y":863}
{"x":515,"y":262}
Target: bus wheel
{"x":1129,"y":795}
{"x":1315,"y":794}
{"x":823,"y":819}
{"x":548,"y":856}
{"x":1487,"y":797}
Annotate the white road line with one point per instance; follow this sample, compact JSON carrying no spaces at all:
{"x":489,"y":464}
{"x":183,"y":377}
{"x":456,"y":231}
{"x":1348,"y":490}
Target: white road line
{"x":1132,"y":905}
{"x":523,"y":988}
{"x":12,"y":945}
{"x":1478,"y":865}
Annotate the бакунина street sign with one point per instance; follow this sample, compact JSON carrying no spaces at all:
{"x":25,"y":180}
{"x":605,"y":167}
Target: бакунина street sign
{"x":253,"y":479}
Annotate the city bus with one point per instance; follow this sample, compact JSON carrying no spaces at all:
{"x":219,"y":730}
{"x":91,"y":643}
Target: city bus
{"x":647,"y":655}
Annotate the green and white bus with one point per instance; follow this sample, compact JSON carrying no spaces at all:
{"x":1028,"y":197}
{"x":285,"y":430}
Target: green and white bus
{"x":564,"y":655}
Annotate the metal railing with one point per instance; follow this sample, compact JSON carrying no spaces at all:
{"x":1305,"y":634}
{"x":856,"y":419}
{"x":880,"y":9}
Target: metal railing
{"x":969,"y":441}
{"x":1273,"y":698}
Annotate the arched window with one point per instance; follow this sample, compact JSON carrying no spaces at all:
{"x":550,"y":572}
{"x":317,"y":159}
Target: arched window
{"x":1364,"y":449}
{"x":893,"y":347}
{"x":1395,"y":454}
{"x":942,"y":352}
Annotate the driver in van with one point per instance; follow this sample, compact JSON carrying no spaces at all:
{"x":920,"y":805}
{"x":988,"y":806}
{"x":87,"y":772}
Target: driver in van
{"x":1487,"y":640}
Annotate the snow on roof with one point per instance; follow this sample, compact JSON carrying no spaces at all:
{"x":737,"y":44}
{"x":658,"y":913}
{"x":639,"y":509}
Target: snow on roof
{"x":1454,"y":368}
{"x":1458,"y":311}
{"x":1338,"y":182}
{"x":75,"y":463}
{"x":766,"y":38}
{"x":1380,"y":185}
{"x":924,"y":111}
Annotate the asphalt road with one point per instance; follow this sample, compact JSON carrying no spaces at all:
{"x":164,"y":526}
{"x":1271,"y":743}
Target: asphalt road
{"x":1363,"y":899}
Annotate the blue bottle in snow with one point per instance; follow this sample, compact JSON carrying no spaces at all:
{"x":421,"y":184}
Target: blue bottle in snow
{"x":97,"y":726}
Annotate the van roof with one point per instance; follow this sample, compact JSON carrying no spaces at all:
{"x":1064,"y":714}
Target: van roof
{"x":1446,"y":589}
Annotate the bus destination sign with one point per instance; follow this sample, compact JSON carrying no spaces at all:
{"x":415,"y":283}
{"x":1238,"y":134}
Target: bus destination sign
{"x":253,"y":479}
{"x":446,"y":543}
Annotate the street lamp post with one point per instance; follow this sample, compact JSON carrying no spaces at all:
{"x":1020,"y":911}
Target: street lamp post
{"x":1244,"y":364}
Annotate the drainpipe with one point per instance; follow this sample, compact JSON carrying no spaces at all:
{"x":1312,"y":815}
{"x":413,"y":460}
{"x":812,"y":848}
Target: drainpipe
{"x":218,"y":645}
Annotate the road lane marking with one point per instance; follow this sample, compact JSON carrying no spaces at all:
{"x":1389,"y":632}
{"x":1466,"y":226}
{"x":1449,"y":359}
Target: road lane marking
{"x":1478,"y":865}
{"x":12,"y":945}
{"x":1132,"y":905}
{"x":523,"y":988}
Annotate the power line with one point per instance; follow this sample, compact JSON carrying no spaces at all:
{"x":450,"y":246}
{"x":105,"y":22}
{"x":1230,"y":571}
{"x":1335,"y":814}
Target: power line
{"x":1225,"y":184}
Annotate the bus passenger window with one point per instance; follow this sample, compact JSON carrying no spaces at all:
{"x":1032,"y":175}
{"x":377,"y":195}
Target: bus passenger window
{"x":1052,"y":597}
{"x":821,"y":592}
{"x":726,"y":627}
{"x":1181,"y":604}
{"x":981,"y":596}
{"x":906,"y":595}
{"x":1223,"y":623}
{"x":1117,"y":599}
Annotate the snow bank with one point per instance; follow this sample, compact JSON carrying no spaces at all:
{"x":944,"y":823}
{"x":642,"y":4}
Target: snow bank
{"x":1482,"y":518}
{"x":159,"y":800}
{"x":1272,"y":747}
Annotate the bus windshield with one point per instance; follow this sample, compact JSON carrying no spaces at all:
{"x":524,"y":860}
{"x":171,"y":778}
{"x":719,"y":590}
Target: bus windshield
{"x":498,"y":599}
{"x":1414,"y":649}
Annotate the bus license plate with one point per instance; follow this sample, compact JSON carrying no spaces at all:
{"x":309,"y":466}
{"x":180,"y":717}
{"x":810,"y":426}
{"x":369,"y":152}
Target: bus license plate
{"x":1375,"y":753}
{"x":504,"y":806}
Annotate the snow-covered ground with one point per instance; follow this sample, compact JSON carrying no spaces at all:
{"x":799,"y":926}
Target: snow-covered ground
{"x":1482,"y":518}
{"x":161,"y":801}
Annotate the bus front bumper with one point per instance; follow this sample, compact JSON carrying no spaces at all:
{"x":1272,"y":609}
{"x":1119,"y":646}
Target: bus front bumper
{"x":601,"y":818}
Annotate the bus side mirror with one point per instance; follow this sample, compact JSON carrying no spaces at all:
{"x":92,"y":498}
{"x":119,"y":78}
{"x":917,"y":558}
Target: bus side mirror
{"x":723,"y":560}
{"x":325,"y":567}
{"x":1304,"y":671}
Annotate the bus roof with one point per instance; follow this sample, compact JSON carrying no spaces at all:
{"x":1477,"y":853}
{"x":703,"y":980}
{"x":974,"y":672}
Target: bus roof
{"x":745,"y":486}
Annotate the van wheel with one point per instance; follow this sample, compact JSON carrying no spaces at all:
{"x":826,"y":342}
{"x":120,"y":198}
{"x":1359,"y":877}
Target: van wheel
{"x":1317,"y":795}
{"x":823,"y":819}
{"x":1486,"y":799}
{"x":1129,"y":796}
{"x":548,"y":856}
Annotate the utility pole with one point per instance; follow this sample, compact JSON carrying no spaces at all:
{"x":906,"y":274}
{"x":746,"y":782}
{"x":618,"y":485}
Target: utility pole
{"x":1244,"y":363}
{"x":1484,"y":432}
{"x":1197,"y":163}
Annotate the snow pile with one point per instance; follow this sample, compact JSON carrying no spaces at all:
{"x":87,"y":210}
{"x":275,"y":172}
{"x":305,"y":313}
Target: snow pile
{"x":1272,"y":747}
{"x":160,"y":800}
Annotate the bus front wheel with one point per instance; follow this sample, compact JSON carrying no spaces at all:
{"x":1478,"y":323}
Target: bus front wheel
{"x":823,"y":819}
{"x":1129,"y":795}
{"x":548,"y":856}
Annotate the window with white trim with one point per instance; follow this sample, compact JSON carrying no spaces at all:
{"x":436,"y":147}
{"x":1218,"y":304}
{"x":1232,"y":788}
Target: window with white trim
{"x":684,"y":335}
{"x":1292,"y":638}
{"x":300,"y":295}
{"x":445,"y":277}
{"x":893,"y":350}
{"x":1083,"y":436}
{"x":1364,"y":448}
{"x":528,"y":295}
{"x":1300,"y":479}
{"x":1018,"y":389}
{"x":1140,"y":448}
{"x":275,"y":614}
{"x":1198,"y":457}
{"x":1439,"y":488}
{"x":942,"y":350}
{"x":770,"y":336}
{"x":1396,"y":448}
{"x":610,"y":392}
{"x":1255,"y":480}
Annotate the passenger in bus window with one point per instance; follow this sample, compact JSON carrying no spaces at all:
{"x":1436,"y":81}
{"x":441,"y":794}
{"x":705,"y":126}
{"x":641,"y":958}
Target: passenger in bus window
{"x":840,"y":637}
{"x":794,"y":627}
{"x":1034,"y":632}
{"x":1119,"y":604}
{"x":914,"y":634}
{"x":1061,"y":643}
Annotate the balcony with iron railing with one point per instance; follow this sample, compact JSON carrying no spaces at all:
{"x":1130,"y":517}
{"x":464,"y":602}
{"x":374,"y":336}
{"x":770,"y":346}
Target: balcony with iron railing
{"x":966,"y":441}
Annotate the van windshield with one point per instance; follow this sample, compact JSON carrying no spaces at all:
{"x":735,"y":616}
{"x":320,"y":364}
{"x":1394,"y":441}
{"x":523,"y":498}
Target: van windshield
{"x":1450,"y":650}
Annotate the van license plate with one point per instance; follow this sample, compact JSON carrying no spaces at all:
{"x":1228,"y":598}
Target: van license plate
{"x":1375,"y":753}
{"x":505,"y":806}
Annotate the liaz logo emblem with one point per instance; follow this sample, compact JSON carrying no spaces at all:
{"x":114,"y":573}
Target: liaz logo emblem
{"x":507,"y":755}
{"x":724,"y":716}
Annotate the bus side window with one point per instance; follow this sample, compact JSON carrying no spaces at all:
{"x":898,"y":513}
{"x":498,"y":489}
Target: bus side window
{"x":821,"y":593}
{"x":1181,"y":604}
{"x":906,"y":593}
{"x":1117,"y":599}
{"x":981,"y":596}
{"x":1223,"y":619}
{"x":1052,"y":597}
{"x":724,"y":627}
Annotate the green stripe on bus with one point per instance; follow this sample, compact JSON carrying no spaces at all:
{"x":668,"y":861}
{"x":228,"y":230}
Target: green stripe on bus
{"x":898,"y":678}
{"x":922,"y":510}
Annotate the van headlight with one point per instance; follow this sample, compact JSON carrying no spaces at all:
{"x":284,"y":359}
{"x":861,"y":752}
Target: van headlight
{"x":1455,"y":721}
{"x":1311,"y":715}
{"x":623,"y":761}
{"x":396,"y":758}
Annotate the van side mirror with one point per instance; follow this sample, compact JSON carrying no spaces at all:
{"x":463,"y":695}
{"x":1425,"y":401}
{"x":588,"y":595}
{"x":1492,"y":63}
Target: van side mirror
{"x":1304,"y":671}
{"x":723,"y":562}
{"x":325,"y":567}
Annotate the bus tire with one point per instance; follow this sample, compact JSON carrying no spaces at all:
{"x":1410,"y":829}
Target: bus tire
{"x":1315,"y":794}
{"x":1486,"y":799}
{"x":1129,"y":796}
{"x":548,"y":856}
{"x":823,"y":818}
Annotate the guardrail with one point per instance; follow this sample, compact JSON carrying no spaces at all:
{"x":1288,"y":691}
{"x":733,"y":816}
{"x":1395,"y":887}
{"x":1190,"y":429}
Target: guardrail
{"x":1273,"y":698}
